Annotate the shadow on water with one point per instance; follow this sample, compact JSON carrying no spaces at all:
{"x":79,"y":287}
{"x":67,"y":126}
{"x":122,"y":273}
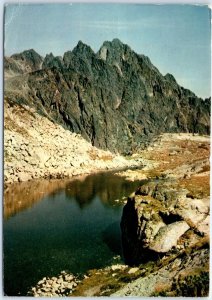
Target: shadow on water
{"x":111,"y":236}
{"x":56,"y":225}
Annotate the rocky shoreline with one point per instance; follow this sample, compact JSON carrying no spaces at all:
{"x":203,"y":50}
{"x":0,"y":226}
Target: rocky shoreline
{"x":61,"y":286}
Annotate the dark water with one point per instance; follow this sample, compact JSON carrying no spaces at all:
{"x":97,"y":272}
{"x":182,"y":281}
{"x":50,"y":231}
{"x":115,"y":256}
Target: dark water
{"x":74,"y":227}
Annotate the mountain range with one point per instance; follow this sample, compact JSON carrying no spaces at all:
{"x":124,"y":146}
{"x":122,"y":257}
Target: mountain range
{"x":115,"y":98}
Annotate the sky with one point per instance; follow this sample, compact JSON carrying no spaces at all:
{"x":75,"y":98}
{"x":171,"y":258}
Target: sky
{"x":176,"y":38}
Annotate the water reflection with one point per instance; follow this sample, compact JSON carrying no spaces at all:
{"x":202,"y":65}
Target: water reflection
{"x":56,"y":225}
{"x":20,"y":196}
{"x":107,"y":186}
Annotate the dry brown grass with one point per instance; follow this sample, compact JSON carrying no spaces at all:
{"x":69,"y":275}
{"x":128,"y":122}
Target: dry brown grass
{"x":198,"y":186}
{"x":176,"y":153}
{"x":94,"y":155}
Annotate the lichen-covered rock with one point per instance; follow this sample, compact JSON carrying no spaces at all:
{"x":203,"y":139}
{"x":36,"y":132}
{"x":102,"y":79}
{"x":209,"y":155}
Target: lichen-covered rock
{"x":156,"y":217}
{"x":196,"y":213}
{"x":165,"y":280}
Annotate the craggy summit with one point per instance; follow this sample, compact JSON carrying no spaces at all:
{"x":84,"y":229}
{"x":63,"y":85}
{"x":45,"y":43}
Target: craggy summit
{"x":117,"y":99}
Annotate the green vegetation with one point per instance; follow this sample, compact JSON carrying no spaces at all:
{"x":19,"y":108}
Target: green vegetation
{"x":192,"y":286}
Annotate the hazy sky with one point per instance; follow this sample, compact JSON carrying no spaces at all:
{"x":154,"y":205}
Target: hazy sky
{"x":175,"y":37}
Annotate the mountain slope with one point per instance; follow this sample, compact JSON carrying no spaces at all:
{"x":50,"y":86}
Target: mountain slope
{"x":115,"y":98}
{"x":35,"y":147}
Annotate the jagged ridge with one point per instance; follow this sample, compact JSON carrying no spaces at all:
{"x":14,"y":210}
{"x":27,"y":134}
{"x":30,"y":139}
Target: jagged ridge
{"x":115,"y":98}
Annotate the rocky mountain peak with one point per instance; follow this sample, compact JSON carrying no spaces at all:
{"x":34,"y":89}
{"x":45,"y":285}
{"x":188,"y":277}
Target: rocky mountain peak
{"x":116,"y":44}
{"x":83,"y":49}
{"x":80,"y":44}
{"x":50,"y":55}
{"x":117,"y":99}
{"x":52,"y":61}
{"x":24,"y":62}
{"x":170,"y":78}
{"x":116,"y":53}
{"x":30,"y":56}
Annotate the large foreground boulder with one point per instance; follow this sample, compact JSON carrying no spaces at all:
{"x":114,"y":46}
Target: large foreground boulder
{"x":167,"y":236}
{"x":159,"y":218}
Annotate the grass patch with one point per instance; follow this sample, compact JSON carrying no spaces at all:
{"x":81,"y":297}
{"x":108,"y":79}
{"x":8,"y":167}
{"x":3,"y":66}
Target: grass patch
{"x":96,"y":155}
{"x":192,"y":285}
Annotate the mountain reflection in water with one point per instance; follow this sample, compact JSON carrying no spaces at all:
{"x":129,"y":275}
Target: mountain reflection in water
{"x":83,"y":189}
{"x":56,"y":225}
{"x":108,"y":187}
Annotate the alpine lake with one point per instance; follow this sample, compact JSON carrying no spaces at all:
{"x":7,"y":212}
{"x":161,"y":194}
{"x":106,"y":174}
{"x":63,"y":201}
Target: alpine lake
{"x":55,"y":225}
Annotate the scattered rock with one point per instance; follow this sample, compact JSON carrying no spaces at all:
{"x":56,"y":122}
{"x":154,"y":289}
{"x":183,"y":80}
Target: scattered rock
{"x":164,"y":278}
{"x":63,"y":285}
{"x":118,"y":267}
{"x":52,"y":153}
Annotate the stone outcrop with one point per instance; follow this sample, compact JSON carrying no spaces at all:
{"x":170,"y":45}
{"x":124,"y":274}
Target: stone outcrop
{"x":172,"y":279}
{"x":156,"y":218}
{"x":115,"y":98}
{"x":165,"y":231}
{"x":167,"y":236}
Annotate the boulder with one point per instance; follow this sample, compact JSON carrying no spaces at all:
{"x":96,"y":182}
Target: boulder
{"x":167,"y":236}
{"x":156,"y":217}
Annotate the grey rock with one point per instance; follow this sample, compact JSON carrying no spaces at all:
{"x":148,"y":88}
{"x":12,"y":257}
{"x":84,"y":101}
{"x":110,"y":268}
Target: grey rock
{"x":154,"y":224}
{"x":147,"y":286}
{"x":167,"y":236}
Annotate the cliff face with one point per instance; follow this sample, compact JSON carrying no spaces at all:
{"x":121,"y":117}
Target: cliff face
{"x":115,"y":98}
